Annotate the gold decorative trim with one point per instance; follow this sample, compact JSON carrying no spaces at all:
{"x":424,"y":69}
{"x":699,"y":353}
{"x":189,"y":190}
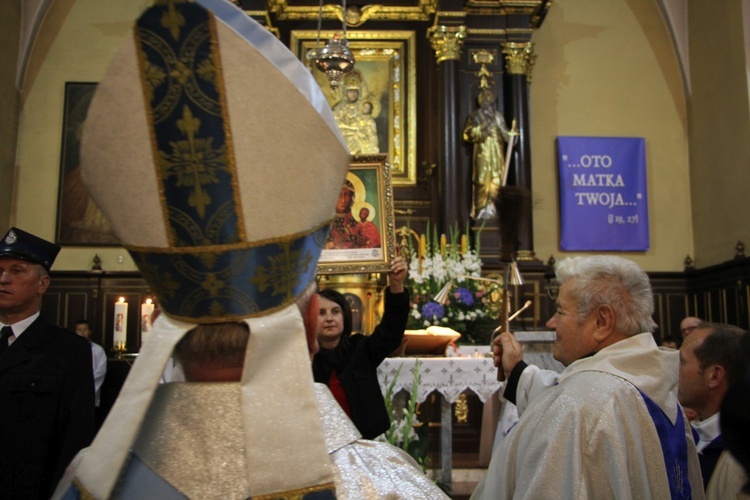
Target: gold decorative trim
{"x":525,"y":255}
{"x":500,"y":32}
{"x":83,"y":493}
{"x":446,"y":14}
{"x":504,"y":7}
{"x":461,"y":410}
{"x":226,"y":247}
{"x":446,"y":42}
{"x":297,"y":493}
{"x":229,"y":139}
{"x":495,"y":295}
{"x":262,"y":17}
{"x":400,"y":211}
{"x":356,"y":16}
{"x":413,"y":203}
{"x":519,"y":58}
{"x":483,"y":56}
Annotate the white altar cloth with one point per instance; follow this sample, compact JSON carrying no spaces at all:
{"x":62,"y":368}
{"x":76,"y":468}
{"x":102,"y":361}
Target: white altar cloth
{"x":448,"y":376}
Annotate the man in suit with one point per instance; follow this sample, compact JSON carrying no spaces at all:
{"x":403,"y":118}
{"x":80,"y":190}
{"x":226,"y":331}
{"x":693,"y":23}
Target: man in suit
{"x":46,"y":381}
{"x":710,"y":361}
{"x":99,"y":366}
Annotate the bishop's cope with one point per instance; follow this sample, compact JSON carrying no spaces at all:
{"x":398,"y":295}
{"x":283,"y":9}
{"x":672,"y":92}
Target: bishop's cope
{"x":224,"y":205}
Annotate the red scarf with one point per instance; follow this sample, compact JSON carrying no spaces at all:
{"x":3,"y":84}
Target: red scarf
{"x":334,"y":384}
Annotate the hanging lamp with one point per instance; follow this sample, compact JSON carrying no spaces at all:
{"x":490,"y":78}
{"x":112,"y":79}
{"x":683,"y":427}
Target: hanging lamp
{"x":334,"y":58}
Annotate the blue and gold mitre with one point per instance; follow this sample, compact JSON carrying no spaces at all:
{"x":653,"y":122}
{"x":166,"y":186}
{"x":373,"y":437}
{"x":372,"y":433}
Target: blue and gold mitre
{"x":215,"y":156}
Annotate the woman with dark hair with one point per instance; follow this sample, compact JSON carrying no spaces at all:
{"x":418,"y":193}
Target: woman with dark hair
{"x":348,"y":363}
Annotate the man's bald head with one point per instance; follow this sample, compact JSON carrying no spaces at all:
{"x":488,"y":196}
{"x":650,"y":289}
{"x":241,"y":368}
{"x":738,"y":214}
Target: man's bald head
{"x":689,"y":324}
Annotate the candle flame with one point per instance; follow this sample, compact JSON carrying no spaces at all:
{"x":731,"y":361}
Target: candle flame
{"x":148,"y":301}
{"x":121,"y":299}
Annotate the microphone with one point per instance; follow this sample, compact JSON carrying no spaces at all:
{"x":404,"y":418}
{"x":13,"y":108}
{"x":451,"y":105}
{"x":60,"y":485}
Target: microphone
{"x":526,"y":305}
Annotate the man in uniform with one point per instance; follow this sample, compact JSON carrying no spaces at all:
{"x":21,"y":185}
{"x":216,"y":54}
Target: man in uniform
{"x":46,"y":381}
{"x":99,"y":360}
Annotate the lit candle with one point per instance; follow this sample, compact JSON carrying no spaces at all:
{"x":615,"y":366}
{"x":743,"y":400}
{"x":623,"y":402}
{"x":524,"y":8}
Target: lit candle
{"x":463,"y":244}
{"x":147,"y":311}
{"x":443,"y":242}
{"x":422,"y":246}
{"x":121,"y":323}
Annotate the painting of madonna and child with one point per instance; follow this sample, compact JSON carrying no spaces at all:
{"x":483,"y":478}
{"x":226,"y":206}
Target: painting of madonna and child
{"x":361,"y":238}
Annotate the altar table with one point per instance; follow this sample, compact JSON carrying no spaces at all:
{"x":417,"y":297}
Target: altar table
{"x":449,"y":377}
{"x":452,"y":376}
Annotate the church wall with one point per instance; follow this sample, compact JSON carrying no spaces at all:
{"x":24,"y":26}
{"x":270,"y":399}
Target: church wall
{"x":76,"y":50}
{"x":603,"y":69}
{"x":610,"y":69}
{"x":719,"y":130}
{"x":10,"y":25}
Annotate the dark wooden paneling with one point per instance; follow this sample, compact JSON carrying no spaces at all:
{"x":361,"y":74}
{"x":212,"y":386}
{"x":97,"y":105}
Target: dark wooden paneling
{"x":73,"y":296}
{"x":720,"y":293}
{"x":670,"y":303}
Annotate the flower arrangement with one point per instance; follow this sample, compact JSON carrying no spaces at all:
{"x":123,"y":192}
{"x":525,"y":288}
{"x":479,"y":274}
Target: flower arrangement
{"x":437,"y":262}
{"x":405,"y":427}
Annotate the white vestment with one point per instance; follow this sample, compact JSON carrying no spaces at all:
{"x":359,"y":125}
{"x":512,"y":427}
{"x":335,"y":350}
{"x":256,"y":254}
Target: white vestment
{"x":591,"y":434}
{"x":727,"y":480}
{"x":99,"y":365}
{"x":191,"y":446}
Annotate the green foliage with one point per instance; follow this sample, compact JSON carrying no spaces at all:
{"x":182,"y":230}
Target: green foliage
{"x":406,"y":432}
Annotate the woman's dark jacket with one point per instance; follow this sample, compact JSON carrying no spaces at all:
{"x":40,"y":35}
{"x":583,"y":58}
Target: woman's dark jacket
{"x":356,"y":366}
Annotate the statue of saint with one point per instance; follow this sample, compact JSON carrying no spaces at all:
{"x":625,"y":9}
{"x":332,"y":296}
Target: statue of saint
{"x":486,"y":128}
{"x":354,"y":116}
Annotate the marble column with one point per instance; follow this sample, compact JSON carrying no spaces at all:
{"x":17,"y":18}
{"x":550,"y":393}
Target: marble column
{"x":447,"y":42}
{"x":519,"y":62}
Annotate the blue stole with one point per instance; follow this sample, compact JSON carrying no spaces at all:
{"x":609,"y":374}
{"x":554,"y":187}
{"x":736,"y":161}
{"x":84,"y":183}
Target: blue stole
{"x":709,"y":457}
{"x":674,"y":448}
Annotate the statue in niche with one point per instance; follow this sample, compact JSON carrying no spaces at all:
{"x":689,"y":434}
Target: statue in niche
{"x":355,"y":115}
{"x":486,"y":129}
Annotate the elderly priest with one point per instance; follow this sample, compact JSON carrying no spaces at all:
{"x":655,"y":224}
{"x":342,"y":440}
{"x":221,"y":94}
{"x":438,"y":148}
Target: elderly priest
{"x":608,"y":426}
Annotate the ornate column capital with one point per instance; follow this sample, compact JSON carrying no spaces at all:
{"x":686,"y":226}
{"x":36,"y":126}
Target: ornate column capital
{"x":519,"y":58}
{"x":446,"y":42}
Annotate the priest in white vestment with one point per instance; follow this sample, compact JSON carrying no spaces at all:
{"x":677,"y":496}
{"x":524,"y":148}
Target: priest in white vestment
{"x":608,"y":426}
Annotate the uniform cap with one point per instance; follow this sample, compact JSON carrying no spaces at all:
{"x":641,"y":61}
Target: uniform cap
{"x":18,"y":244}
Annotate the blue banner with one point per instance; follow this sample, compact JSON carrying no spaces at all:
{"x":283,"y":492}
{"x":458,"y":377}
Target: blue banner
{"x":603,"y":202}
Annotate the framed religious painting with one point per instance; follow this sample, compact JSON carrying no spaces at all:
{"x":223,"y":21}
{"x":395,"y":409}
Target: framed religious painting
{"x":362,"y":237}
{"x":375,"y":103}
{"x":79,"y":220}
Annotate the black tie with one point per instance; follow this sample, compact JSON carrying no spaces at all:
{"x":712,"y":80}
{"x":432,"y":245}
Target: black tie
{"x":5,"y":334}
